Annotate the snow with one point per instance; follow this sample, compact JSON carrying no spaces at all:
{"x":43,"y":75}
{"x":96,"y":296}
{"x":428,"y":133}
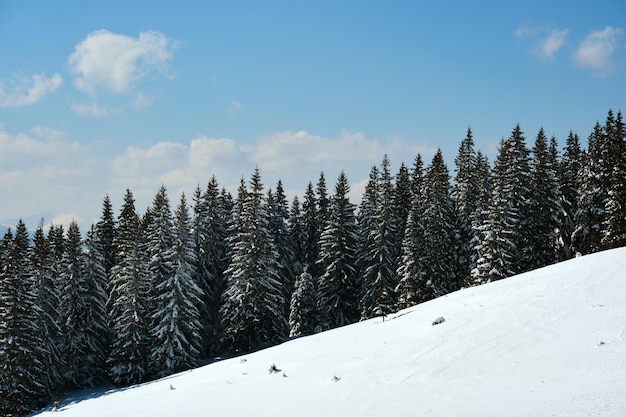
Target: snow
{"x":551,"y":342}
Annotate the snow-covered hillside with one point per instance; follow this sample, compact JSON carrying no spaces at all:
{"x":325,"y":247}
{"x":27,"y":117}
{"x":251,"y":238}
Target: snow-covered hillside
{"x":547,"y":343}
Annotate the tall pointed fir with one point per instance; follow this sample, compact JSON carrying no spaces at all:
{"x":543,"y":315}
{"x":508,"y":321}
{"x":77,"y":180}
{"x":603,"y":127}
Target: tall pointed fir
{"x":96,"y":281}
{"x":209,"y":228}
{"x":568,"y":180}
{"x":303,"y":307}
{"x":48,"y":318}
{"x":402,"y":206}
{"x":380,"y":275}
{"x":337,"y":291}
{"x":312,"y":231}
{"x":22,"y":373}
{"x":296,"y":236}
{"x":465,"y":194}
{"x":366,"y":221}
{"x":126,"y":305}
{"x":412,"y":288}
{"x":253,"y":308}
{"x":504,"y":243}
{"x":105,"y":229}
{"x":545,"y":207}
{"x":614,"y":223}
{"x":278,"y":211}
{"x":176,"y":327}
{"x":160,"y":254}
{"x":591,"y":197}
{"x":440,"y":260}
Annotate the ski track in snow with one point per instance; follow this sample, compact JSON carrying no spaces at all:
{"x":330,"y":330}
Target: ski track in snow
{"x":546,"y":343}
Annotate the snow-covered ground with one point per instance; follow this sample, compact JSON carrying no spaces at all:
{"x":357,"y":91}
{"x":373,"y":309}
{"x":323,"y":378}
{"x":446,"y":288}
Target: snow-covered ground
{"x":551,"y":342}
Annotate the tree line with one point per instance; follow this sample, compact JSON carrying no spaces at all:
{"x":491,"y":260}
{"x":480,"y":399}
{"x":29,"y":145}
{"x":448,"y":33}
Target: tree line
{"x":143,"y":296}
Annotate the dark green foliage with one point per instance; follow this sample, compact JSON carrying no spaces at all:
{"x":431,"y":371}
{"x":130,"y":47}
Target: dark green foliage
{"x":338,"y":285}
{"x":303,"y":307}
{"x":254,"y":305}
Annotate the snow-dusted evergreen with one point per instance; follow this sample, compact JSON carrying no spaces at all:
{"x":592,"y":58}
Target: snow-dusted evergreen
{"x":568,"y":179}
{"x":614,"y":223}
{"x":504,"y":232}
{"x":127,"y":303}
{"x":439,"y":262}
{"x":466,"y":195}
{"x":253,"y":309}
{"x":176,"y":326}
{"x":303,"y":308}
{"x":339,"y":284}
{"x":22,"y":372}
{"x":380,"y":262}
{"x":412,"y":287}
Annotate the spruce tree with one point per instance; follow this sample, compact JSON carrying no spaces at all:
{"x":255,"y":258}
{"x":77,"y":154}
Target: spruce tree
{"x":591,"y":197}
{"x":296,"y":236}
{"x":440,"y":260}
{"x":48,"y":318}
{"x":568,"y":179}
{"x":337,"y":291}
{"x":544,"y":206}
{"x":412,"y":287}
{"x":176,"y":325}
{"x":312,"y":231}
{"x":22,"y":374}
{"x":614,"y":223}
{"x":126,"y":305}
{"x":303,"y":308}
{"x":465,"y":194}
{"x":253,"y":308}
{"x":97,"y":332}
{"x":105,"y":229}
{"x":505,"y":235}
{"x":380,"y":275}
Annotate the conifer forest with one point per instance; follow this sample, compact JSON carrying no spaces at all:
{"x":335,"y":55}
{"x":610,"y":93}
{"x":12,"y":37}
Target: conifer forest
{"x":141,"y":296}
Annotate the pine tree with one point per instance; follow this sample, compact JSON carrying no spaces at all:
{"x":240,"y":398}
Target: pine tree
{"x":544,"y":206}
{"x":614,"y":223}
{"x":126,"y":305}
{"x":253,"y":308}
{"x":97,"y":332}
{"x":278,"y":212}
{"x":380,"y":276}
{"x":440,"y":260}
{"x":209,"y":228}
{"x":303,"y":308}
{"x":591,"y":197}
{"x":105,"y":229}
{"x":48,"y":318}
{"x":312,"y":231}
{"x":176,"y":328}
{"x":337,"y":291}
{"x":22,"y":373}
{"x":465,"y":194}
{"x":505,"y":235}
{"x":568,"y":170}
{"x":296,"y":236}
{"x":412,"y":287}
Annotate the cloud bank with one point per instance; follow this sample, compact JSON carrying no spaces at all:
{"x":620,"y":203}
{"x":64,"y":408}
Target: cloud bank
{"x":29,"y":91}
{"x":595,"y":50}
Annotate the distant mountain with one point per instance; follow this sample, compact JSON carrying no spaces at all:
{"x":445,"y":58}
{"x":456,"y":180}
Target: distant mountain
{"x":548,"y":342}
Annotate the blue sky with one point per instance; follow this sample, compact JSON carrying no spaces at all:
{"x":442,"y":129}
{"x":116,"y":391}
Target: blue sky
{"x":97,"y":98}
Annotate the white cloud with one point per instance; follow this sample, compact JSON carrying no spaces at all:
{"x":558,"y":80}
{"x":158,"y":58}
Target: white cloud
{"x":92,"y":109}
{"x":294,"y":157}
{"x":30,"y":91}
{"x":44,"y":173}
{"x":594,"y":52}
{"x":233,"y":108}
{"x":547,"y":42}
{"x":114,"y":62}
{"x":143,"y":101}
{"x":552,"y":43}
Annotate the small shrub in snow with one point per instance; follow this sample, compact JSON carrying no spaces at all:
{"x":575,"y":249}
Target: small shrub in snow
{"x":274,"y":369}
{"x":438,"y":320}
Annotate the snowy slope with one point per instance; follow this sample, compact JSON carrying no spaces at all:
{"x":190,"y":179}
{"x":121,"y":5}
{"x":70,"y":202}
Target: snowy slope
{"x":547,"y":343}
